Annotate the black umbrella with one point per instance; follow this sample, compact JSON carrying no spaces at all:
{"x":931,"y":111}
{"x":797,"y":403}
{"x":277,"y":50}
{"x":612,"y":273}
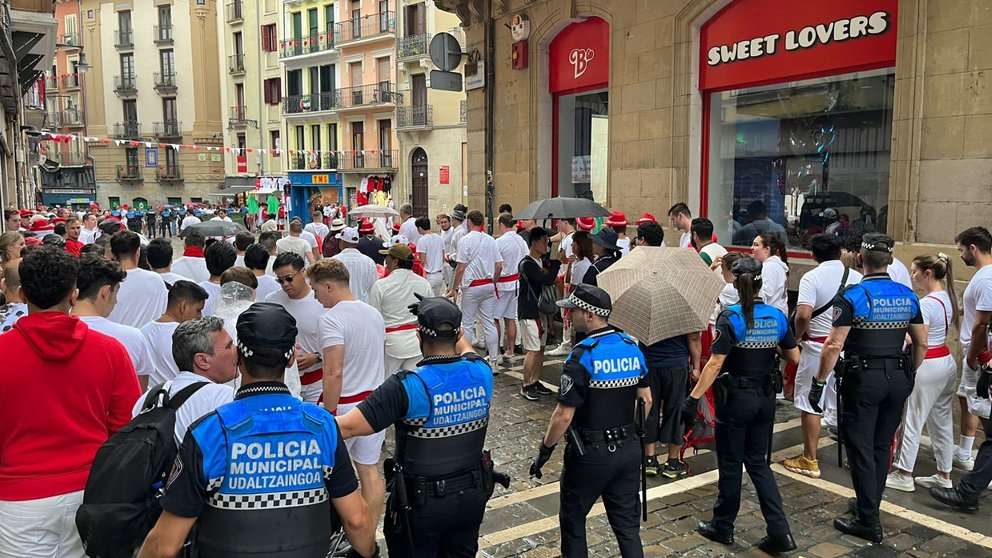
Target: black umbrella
{"x":562,"y":208}
{"x":214,"y":228}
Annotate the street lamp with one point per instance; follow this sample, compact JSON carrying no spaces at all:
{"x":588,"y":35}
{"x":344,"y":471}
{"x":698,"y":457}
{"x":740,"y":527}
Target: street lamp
{"x":82,"y":66}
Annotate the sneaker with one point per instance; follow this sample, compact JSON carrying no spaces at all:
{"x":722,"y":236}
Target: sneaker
{"x":799,"y":464}
{"x":651,"y":468}
{"x":898,"y":481}
{"x":541,"y":389}
{"x":834,"y":433}
{"x":528,"y":393}
{"x":506,"y":360}
{"x":932,"y":481}
{"x":964,"y":464}
{"x":673,"y":470}
{"x":560,"y":350}
{"x":518,"y":350}
{"x":479,"y":343}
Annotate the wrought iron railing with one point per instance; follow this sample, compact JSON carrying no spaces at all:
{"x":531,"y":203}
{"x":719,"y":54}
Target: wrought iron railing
{"x":380,"y":24}
{"x":129,"y":129}
{"x":360,"y":161}
{"x":320,"y":42}
{"x":413,"y":46}
{"x":415,"y":117}
{"x":373,"y":94}
{"x":167,"y":129}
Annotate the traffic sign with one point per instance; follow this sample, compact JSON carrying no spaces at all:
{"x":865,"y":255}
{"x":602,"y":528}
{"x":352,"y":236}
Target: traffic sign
{"x":446,"y":81}
{"x":446,"y":52}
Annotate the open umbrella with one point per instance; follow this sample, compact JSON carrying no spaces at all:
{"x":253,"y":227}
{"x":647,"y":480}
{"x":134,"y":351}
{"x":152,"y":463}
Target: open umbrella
{"x":374,"y":211}
{"x":660,"y":292}
{"x":214,"y":228}
{"x":562,"y":208}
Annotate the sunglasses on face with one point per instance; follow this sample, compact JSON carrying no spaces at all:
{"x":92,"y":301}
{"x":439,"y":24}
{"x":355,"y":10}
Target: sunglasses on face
{"x":287,"y":278}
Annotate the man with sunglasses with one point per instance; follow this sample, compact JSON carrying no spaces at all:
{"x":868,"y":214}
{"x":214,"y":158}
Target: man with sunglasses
{"x":297,"y":298}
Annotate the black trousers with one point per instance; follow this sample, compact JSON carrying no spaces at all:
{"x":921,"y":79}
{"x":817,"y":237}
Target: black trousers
{"x":668,"y":389}
{"x":743,"y":432}
{"x":871,"y":406}
{"x":613,"y":475}
{"x":442,"y":527}
{"x":975,"y":482}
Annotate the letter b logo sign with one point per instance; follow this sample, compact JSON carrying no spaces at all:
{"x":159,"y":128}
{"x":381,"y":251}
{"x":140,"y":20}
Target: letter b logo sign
{"x":580,"y":59}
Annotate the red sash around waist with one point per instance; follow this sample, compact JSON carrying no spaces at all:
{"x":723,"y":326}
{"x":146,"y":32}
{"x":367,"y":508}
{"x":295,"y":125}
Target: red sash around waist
{"x":814,"y":339}
{"x":404,"y":327}
{"x":357,"y":398}
{"x":509,"y":278}
{"x":938,"y":352}
{"x":312,"y":377}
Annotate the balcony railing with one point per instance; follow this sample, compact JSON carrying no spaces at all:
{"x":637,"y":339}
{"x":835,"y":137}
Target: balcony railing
{"x":130,"y":129}
{"x":463,"y":111}
{"x":167,"y":129}
{"x":165,"y":83}
{"x":321,"y":42}
{"x":70,"y":81}
{"x":236,"y":63}
{"x":163,"y":34}
{"x":53,"y":119}
{"x":381,"y":24}
{"x":413,"y":46}
{"x":129,"y":173}
{"x":125,"y":85}
{"x":301,"y":104}
{"x":69,"y":40}
{"x":313,"y":160}
{"x":70,"y":159}
{"x":234,"y":12}
{"x":238,"y":116}
{"x":415,"y":117}
{"x":380,"y":93}
{"x":72,"y":117}
{"x":170,"y":173}
{"x":361,"y":161}
{"x":124,"y":39}
{"x":51,"y":83}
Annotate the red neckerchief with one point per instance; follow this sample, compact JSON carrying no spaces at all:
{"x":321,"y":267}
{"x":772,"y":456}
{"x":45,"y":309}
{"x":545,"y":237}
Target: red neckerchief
{"x":193,"y":252}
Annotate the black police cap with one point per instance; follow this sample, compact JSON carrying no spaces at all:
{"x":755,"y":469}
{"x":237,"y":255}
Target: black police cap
{"x":589,"y":298}
{"x":434,"y":313}
{"x":746,"y":265}
{"x":877,"y":242}
{"x":265,"y":325}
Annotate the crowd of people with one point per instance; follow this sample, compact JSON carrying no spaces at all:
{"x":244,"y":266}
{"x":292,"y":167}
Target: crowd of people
{"x":264,"y":336}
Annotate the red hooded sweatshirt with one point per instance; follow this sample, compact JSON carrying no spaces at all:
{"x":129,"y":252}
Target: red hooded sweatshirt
{"x":64,"y":388}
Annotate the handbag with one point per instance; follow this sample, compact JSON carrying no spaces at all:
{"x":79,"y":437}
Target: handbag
{"x":546,"y":297}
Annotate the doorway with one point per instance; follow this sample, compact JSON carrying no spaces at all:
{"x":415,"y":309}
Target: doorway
{"x":419,"y":174}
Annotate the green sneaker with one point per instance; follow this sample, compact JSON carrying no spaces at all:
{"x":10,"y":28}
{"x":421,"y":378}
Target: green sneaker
{"x":651,"y":468}
{"x":674,"y":470}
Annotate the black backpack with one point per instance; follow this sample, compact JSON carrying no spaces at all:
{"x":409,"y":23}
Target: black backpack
{"x":128,"y":476}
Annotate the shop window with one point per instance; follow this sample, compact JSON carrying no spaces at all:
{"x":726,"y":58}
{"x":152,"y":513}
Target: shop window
{"x":583,"y":145}
{"x":800,"y":158}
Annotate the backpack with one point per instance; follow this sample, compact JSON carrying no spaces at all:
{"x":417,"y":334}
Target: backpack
{"x":128,"y":476}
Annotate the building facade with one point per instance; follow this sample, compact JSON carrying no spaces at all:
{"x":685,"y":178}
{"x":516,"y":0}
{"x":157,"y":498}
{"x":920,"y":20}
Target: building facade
{"x":759,"y":115}
{"x":151,"y":89}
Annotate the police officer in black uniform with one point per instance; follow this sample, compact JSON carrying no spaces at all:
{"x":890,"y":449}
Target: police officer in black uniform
{"x":602,"y":379}
{"x":744,"y":375}
{"x":871,"y":320}
{"x":264,"y":475}
{"x":440,"y":478}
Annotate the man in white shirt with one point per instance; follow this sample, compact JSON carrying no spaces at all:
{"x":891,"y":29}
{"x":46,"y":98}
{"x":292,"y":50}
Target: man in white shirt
{"x":293,"y":243}
{"x":90,"y":231}
{"x":457,"y":232}
{"x":186,"y":300}
{"x":191,"y":264}
{"x":512,"y":249}
{"x":702,"y":239}
{"x":479,"y":267}
{"x":241,"y":242}
{"x":681,"y":220}
{"x":361,"y":269}
{"x":898,"y":272}
{"x":221,"y":215}
{"x":297,"y":298}
{"x":269,"y":239}
{"x":817,"y":290}
{"x":98,"y":282}
{"x":618,"y":222}
{"x":142,"y":296}
{"x":10,"y":285}
{"x":391,"y":296}
{"x":219,"y":257}
{"x":564,"y":237}
{"x":430,"y":250}
{"x":409,"y":226}
{"x":206,"y":354}
{"x":317,"y":227}
{"x":159,"y":256}
{"x":256,"y":259}
{"x":353,"y":335}
{"x":190,"y":219}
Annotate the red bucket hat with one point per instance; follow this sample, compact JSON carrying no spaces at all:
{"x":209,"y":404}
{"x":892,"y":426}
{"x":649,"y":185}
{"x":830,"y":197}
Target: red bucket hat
{"x":647,"y":218}
{"x":585,"y":223}
{"x":617,"y":219}
{"x":366,"y":227}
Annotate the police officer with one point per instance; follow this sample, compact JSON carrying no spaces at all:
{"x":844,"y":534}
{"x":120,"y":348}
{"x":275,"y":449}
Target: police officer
{"x":604,"y":375}
{"x":745,"y":378}
{"x":871,"y":320}
{"x":439,"y":479}
{"x":264,"y":475}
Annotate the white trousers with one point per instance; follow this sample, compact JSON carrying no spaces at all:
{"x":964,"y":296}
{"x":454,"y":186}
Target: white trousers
{"x":44,"y":528}
{"x":967,"y":389}
{"x":809,"y":365}
{"x":436,"y":281}
{"x":931,"y":403}
{"x":480,"y":302}
{"x":394,"y":365}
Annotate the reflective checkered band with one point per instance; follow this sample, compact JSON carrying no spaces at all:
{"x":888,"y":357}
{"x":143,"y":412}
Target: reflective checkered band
{"x":756,"y":345}
{"x":449,"y":431}
{"x":215,"y":484}
{"x":583,"y":305}
{"x":611,"y":384}
{"x":264,"y":501}
{"x":328,"y":471}
{"x":861,"y":323}
{"x":415,"y":422}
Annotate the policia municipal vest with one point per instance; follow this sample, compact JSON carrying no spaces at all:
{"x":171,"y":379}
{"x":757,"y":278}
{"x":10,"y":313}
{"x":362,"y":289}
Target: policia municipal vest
{"x":882,"y":310}
{"x":615,"y":365}
{"x":755,"y":347}
{"x":268,"y":456}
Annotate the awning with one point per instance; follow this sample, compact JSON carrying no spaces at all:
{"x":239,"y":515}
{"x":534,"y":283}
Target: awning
{"x":232,"y":191}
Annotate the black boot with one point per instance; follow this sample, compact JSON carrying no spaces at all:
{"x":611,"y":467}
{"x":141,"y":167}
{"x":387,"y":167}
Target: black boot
{"x":953,"y":497}
{"x":707,"y":530}
{"x":857,"y":529}
{"x":773,"y":545}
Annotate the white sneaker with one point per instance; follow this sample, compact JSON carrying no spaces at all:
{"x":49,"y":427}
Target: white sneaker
{"x":932,"y":481}
{"x":964,"y":464}
{"x":506,"y":360}
{"x":479,"y":343}
{"x":560,"y":350}
{"x":897,"y":481}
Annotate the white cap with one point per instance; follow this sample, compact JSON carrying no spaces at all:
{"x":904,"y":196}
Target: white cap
{"x":349,"y":234}
{"x":396,"y":239}
{"x":829,"y":213}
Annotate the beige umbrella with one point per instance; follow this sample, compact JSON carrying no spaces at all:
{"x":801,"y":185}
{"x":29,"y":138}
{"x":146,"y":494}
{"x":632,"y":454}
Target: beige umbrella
{"x":660,"y":292}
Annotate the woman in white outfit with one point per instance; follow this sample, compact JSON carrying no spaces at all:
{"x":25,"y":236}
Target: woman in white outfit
{"x":931,"y":401}
{"x":769,"y":250}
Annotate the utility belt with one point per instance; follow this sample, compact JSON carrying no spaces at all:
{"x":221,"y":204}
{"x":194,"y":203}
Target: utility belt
{"x":610,"y":438}
{"x":855,"y":365}
{"x":768,"y":384}
{"x":412,"y":491}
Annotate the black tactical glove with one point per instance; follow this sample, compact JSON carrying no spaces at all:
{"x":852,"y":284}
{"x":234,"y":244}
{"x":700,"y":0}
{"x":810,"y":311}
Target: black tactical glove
{"x":815,"y":394}
{"x":543,"y":455}
{"x":689,"y":408}
{"x":983,"y":384}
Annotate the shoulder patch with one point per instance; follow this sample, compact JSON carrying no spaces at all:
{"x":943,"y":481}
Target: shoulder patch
{"x":566,"y":384}
{"x":836,"y":312}
{"x":717,"y":332}
{"x":177,"y":468}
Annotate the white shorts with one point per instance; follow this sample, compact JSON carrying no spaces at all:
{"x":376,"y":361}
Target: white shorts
{"x":809,"y":365}
{"x":506,"y":305}
{"x":532,"y":335}
{"x":364,"y":450}
{"x":44,"y":528}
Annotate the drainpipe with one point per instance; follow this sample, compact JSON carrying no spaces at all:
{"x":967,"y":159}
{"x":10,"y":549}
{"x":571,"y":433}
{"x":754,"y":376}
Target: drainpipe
{"x":490,"y":112}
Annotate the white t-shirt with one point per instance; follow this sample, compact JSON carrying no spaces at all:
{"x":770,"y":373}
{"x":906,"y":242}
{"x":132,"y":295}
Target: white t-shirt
{"x":187,"y":221}
{"x":512,"y":249}
{"x":713,"y":251}
{"x":219,"y":218}
{"x":308,"y":312}
{"x":239,"y":260}
{"x":171,"y":277}
{"x":410,"y":231}
{"x":158,"y":338}
{"x":773,"y":283}
{"x":266,"y":286}
{"x":391,"y":296}
{"x":361,"y":330}
{"x":565,"y":247}
{"x":579,"y":269}
{"x":624,"y":245}
{"x":309,"y":237}
{"x":213,"y":293}
{"x":318,"y":230}
{"x":818,"y":287}
{"x":446,"y":238}
{"x":454,"y":238}
{"x":191,"y":268}
{"x":141,"y":298}
{"x":204,"y":401}
{"x":937,"y":315}
{"x":294,"y":244}
{"x":898,"y":272}
{"x":977,"y":296}
{"x":362,"y":272}
{"x":87,"y":236}
{"x":128,"y":336}
{"x":480,"y":254}
{"x":432,"y":246}
{"x":685,"y":241}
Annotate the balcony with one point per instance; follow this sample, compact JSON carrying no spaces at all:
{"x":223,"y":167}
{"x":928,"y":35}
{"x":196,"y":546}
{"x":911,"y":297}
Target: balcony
{"x":169,"y":174}
{"x":129,"y":129}
{"x":375,"y":161}
{"x":70,"y":81}
{"x":51,"y":83}
{"x":236,"y":63}
{"x":53,"y":119}
{"x":366,"y":29}
{"x":170,"y":129}
{"x":238,"y":116}
{"x":70,"y":159}
{"x":71,"y":117}
{"x":413,"y":46}
{"x":165,"y":83}
{"x":129,"y":174}
{"x":69,"y":40}
{"x":409,"y":118}
{"x":306,"y":104}
{"x":313,"y":160}
{"x":163,"y":35}
{"x":234,"y":13}
{"x":382,"y":94}
{"x":124,"y":39}
{"x":126,"y":86}
{"x":323,"y":42}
